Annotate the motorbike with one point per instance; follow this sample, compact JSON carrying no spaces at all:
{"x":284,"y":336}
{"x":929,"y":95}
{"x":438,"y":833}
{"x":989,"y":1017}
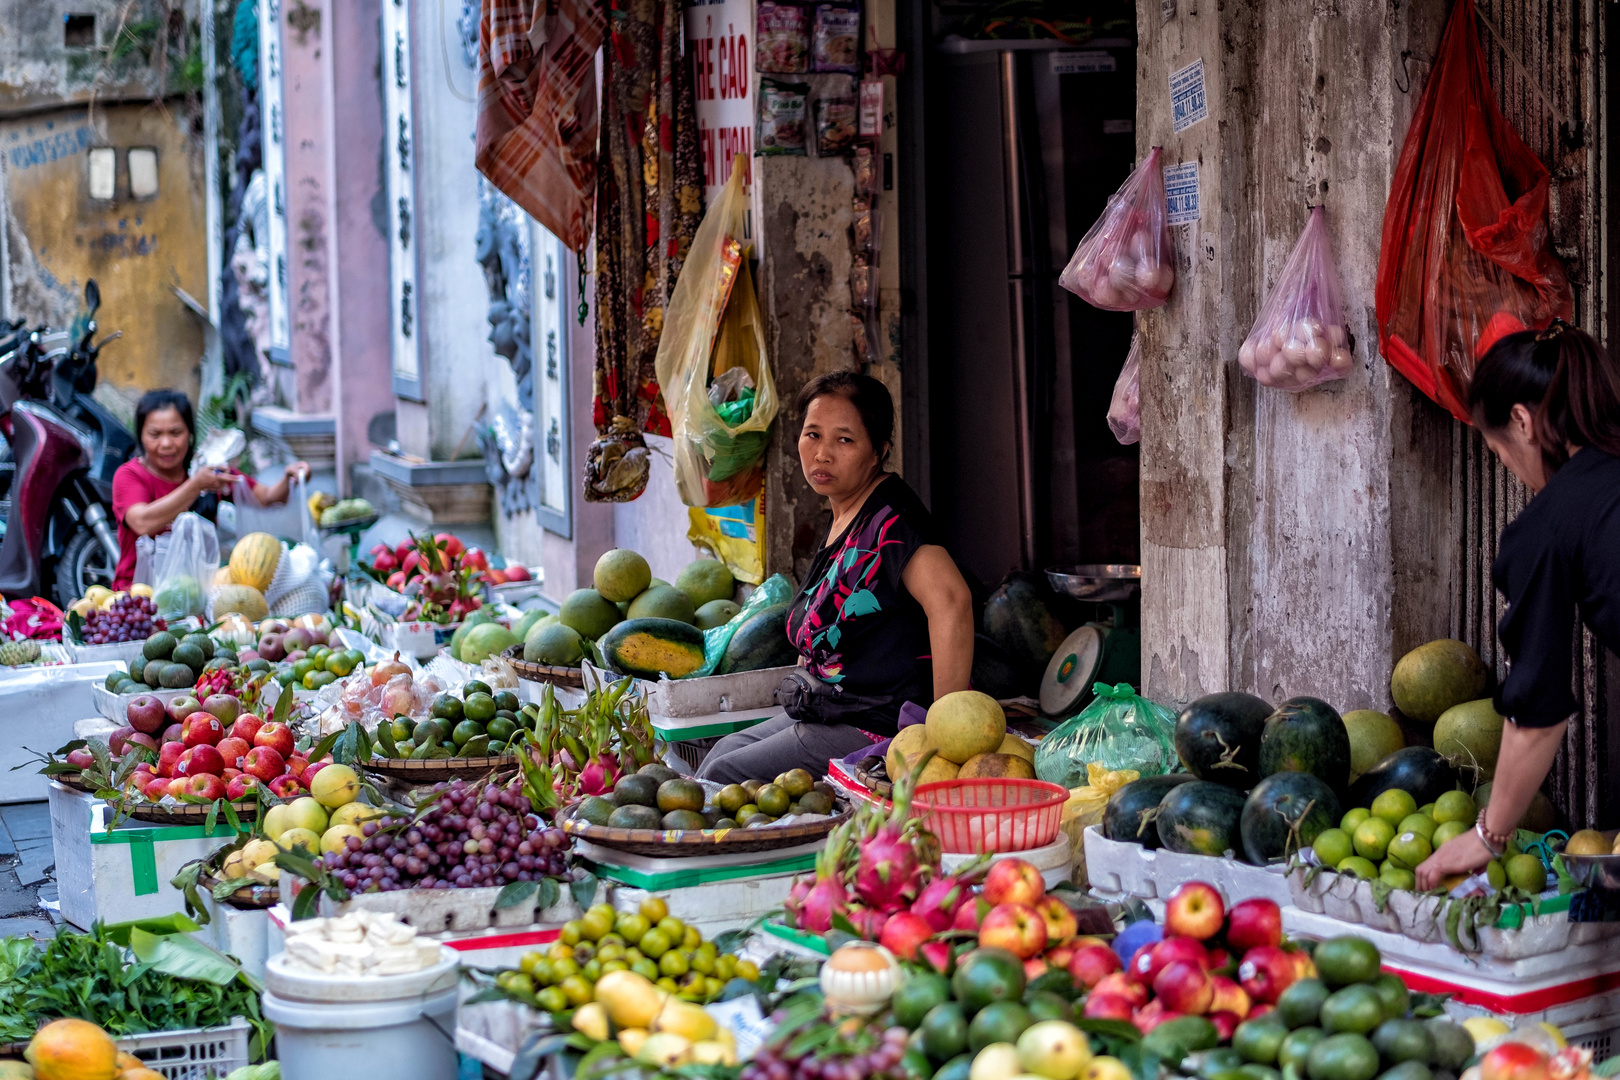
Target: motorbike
{"x":64,"y":448}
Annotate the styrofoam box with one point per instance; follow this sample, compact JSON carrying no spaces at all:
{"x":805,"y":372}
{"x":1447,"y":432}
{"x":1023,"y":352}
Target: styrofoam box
{"x":1052,"y":860}
{"x":440,"y":912}
{"x":488,"y":948}
{"x":1118,"y":869}
{"x":37,"y":712}
{"x":707,"y":696}
{"x":121,"y":651}
{"x":114,"y":706}
{"x":124,"y":873}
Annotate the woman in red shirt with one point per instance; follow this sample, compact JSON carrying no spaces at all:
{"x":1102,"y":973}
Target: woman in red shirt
{"x":150,"y":491}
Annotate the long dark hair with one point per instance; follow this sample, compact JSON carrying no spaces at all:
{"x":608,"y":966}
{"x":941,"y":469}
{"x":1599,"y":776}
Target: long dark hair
{"x":870,"y":398}
{"x":1564,"y":377}
{"x":156,"y":401}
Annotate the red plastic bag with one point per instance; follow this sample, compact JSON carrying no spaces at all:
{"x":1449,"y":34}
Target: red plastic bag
{"x":1299,"y":339}
{"x":1125,"y":410}
{"x":1464,"y":258}
{"x":36,"y":618}
{"x":1123,"y":263}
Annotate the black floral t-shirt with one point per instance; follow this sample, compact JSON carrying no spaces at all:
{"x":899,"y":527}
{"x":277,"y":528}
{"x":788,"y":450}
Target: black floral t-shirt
{"x":854,"y":622}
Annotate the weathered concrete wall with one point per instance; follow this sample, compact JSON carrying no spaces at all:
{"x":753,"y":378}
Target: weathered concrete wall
{"x":305,"y":90}
{"x":1292,"y":543}
{"x":46,"y":63}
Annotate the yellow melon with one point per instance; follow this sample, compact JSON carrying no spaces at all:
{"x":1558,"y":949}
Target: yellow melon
{"x":254,"y":560}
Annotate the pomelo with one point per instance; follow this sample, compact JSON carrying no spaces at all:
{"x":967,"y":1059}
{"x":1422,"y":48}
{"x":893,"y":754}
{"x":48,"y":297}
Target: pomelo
{"x":1432,"y":678}
{"x":522,"y":627}
{"x":715,"y":613}
{"x":937,"y":771}
{"x":1470,"y":735}
{"x":1012,"y":744}
{"x":906,"y":749}
{"x":1373,"y":737}
{"x":705,"y":580}
{"x":663,"y":602}
{"x":621,"y":574}
{"x":996,"y":766}
{"x":555,"y":644}
{"x":588,"y":613}
{"x":473,"y":619}
{"x":485,"y":640}
{"x":965,"y":724}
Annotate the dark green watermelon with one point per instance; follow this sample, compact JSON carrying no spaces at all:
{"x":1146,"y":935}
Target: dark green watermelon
{"x":761,"y":642}
{"x":1019,"y":618}
{"x":1419,"y":770}
{"x":1285,"y":813}
{"x":1218,"y":738}
{"x":1201,"y":818}
{"x":1307,"y":735}
{"x":1122,"y":817}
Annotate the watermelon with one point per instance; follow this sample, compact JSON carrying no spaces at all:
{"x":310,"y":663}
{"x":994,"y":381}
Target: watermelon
{"x":1019,"y":618}
{"x":1201,"y":818}
{"x":1218,"y":738}
{"x":1285,"y":813}
{"x":761,"y":642}
{"x":1123,"y":817}
{"x":1307,"y":735}
{"x":648,"y":648}
{"x":1420,"y":770}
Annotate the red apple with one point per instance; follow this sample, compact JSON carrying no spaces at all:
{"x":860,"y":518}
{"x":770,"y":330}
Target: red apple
{"x":971,"y":913}
{"x":296,"y":764}
{"x":146,"y":713}
{"x":1120,"y":984}
{"x":118,"y":740}
{"x":1091,"y":964}
{"x":81,"y":758}
{"x":286,"y":787}
{"x":177,"y":785}
{"x":1260,"y":1010}
{"x":1184,"y":987}
{"x":903,"y":933}
{"x":156,"y":788}
{"x":247,"y":656}
{"x":1108,"y":1007}
{"x":1013,"y":881}
{"x":272,"y":648}
{"x":144,"y":741}
{"x":167,"y":756}
{"x":172,"y":733}
{"x":1218,"y":958}
{"x":307,"y":777}
{"x":182,"y":707}
{"x":1035,"y":967}
{"x":247,"y":725}
{"x":1060,"y":921}
{"x":201,"y":758}
{"x":264,"y":763}
{"x":1229,"y":997}
{"x":1059,"y":955}
{"x":1163,"y":953}
{"x":1152,"y":1015}
{"x":1253,"y":923}
{"x":1018,"y":928}
{"x":1194,"y":910}
{"x":224,"y":706}
{"x":298,"y":640}
{"x":1225,"y":1023}
{"x":1305,"y":967}
{"x":201,"y":727}
{"x":233,"y":750}
{"x":278,"y":737}
{"x":1266,"y":972}
{"x":205,"y":786}
{"x":241,"y":787}
{"x":1513,"y":1061}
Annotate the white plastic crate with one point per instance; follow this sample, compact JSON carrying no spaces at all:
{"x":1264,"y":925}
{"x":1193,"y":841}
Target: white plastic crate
{"x":193,"y":1054}
{"x":1118,"y":869}
{"x":124,"y":651}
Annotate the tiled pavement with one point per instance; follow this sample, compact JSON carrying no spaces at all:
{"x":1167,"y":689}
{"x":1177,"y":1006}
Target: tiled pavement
{"x":27,"y":870}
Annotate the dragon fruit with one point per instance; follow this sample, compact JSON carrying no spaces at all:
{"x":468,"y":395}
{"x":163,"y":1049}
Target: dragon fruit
{"x":941,"y":897}
{"x":890,"y":873}
{"x":794,"y":904}
{"x":827,"y":897}
{"x":869,"y":922}
{"x":599,"y":776}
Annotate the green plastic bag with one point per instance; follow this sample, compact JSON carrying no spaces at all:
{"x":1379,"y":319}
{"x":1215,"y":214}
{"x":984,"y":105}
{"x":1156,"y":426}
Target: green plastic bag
{"x":776,"y":589}
{"x":1118,"y":730}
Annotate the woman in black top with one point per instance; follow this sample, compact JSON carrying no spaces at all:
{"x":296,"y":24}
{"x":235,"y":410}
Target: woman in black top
{"x":1548,"y":404}
{"x":884,"y":616}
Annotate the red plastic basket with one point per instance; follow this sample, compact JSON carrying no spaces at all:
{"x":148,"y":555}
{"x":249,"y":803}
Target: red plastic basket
{"x":994,"y":815}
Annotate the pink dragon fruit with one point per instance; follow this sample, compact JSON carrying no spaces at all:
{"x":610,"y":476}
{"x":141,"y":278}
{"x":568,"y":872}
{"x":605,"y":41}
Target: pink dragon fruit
{"x":941,"y":897}
{"x":889,"y":873}
{"x":869,"y":922}
{"x":794,"y":904}
{"x":599,"y":775}
{"x":827,"y":897}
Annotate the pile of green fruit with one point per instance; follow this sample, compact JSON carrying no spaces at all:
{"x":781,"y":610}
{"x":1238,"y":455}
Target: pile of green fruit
{"x":172,"y":662}
{"x":322,"y":665}
{"x":1352,"y":1022}
{"x":657,"y":797}
{"x":480,"y":723}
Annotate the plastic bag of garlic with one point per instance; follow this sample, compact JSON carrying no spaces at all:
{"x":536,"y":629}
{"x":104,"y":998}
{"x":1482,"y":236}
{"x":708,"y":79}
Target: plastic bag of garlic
{"x":1300,"y":340}
{"x":1123,"y":263}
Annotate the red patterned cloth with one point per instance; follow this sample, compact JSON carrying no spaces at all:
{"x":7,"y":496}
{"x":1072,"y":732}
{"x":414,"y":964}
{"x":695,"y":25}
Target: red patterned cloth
{"x":537,"y":128}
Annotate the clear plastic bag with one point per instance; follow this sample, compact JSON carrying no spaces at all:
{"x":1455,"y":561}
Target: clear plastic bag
{"x":1118,"y":730}
{"x":1124,"y":261}
{"x":1300,"y":340}
{"x":776,"y":590}
{"x":183,"y":569}
{"x":290,"y":521}
{"x":1125,"y":410}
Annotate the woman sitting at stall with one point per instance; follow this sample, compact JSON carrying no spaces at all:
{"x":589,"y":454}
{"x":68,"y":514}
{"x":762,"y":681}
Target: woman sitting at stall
{"x":151,"y":490}
{"x":884,"y":616}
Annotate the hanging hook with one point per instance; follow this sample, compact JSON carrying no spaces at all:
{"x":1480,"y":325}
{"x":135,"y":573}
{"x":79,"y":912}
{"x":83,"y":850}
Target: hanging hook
{"x":1407,"y":89}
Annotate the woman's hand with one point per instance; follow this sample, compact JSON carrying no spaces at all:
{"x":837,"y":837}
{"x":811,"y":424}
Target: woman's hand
{"x":212,"y":478}
{"x":297,"y":470}
{"x":276,"y":494}
{"x":1462,"y":854}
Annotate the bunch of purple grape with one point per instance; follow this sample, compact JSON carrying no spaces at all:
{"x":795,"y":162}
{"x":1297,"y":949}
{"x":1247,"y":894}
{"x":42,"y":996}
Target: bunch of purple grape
{"x":471,"y":835}
{"x":881,"y":1060}
{"x":130,"y":618}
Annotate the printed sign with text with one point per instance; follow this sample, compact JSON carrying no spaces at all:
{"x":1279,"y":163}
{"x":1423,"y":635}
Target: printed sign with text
{"x":719,"y":37}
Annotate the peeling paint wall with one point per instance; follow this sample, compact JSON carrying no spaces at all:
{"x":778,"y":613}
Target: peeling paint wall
{"x":46,"y":61}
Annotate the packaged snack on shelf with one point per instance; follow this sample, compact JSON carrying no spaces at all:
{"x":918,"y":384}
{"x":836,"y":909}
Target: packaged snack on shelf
{"x":861,"y":228}
{"x":782,"y":110}
{"x":860,"y":283}
{"x":782,"y":38}
{"x":864,"y":172}
{"x":835,"y":118}
{"x":835,"y":42}
{"x":871,"y":108}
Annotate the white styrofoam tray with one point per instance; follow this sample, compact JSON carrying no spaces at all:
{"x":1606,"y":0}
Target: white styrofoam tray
{"x":37,"y":712}
{"x":743,"y":691}
{"x":1118,"y":869}
{"x":448,"y":911}
{"x":121,"y":651}
{"x":114,"y":706}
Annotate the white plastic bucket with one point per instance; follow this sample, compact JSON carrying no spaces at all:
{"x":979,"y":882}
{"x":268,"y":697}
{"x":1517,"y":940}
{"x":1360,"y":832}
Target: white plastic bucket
{"x":319,"y":1040}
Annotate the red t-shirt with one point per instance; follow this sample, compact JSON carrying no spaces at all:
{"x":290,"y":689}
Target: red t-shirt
{"x":132,"y":485}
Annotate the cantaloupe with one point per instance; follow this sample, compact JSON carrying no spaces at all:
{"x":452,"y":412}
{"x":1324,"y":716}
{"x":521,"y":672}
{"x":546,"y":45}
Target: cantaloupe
{"x":242,"y":600}
{"x":254,"y":560}
{"x":72,"y":1050}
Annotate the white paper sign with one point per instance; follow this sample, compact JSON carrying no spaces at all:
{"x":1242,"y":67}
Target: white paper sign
{"x":1188,"y":103}
{"x":746,"y":1022}
{"x":1082,"y":63}
{"x":719,"y":38}
{"x":1181,"y":192}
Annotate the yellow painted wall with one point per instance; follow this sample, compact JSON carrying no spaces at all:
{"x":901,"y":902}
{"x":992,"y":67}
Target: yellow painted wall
{"x":57,"y":237}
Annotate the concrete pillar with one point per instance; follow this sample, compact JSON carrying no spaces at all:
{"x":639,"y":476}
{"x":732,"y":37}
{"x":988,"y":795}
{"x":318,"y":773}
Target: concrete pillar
{"x":307,"y":147}
{"x":1291,"y":543}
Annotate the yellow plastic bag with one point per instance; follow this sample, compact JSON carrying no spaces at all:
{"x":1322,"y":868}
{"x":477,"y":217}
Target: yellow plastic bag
{"x":1085,"y":807}
{"x":735,"y":534}
{"x":713,"y":324}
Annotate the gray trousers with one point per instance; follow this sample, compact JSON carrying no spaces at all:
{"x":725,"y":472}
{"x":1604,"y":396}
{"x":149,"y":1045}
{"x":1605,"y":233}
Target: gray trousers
{"x":767,"y":750}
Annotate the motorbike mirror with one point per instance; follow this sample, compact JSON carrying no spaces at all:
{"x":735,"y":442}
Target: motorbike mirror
{"x":92,"y":295}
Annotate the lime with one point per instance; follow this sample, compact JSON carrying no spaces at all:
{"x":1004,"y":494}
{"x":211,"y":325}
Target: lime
{"x":1496,"y":874}
{"x":594,"y":809}
{"x":1358,"y":867}
{"x":984,"y":976}
{"x":1403,"y":1040}
{"x":1356,"y":1008}
{"x":1393,"y":804}
{"x":1297,"y":1046}
{"x":1397,"y":878}
{"x":1345,"y":1056}
{"x":653,"y":944}
{"x":731,"y":798}
{"x":1453,"y":1046}
{"x":1254,"y":1071}
{"x":1219,"y":1062}
{"x":1048,"y":1005}
{"x":1408,"y":850}
{"x":480,"y":707}
{"x":1353,"y":817}
{"x":1372,"y":837}
{"x":1333,"y":846}
{"x":917,"y":995}
{"x":501,"y":729}
{"x":1448,"y":830}
{"x":1455,"y":806}
{"x":772,"y":799}
{"x":475,"y":686}
{"x":1392,"y":992}
{"x":1526,"y":872}
{"x":402,"y":728}
{"x":1408,"y":1070}
{"x":467,"y":729}
{"x":1000,"y":1021}
{"x":1342,"y":961}
{"x":1301,"y":1004}
{"x":1420,"y":823}
{"x":446,"y":707}
{"x":1258,"y":1040}
{"x":680,"y":794}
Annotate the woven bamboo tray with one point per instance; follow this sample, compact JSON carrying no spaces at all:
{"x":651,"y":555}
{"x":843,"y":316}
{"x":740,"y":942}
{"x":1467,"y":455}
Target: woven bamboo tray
{"x":252,"y":896}
{"x":685,"y":843}
{"x":433,"y":770}
{"x":190,"y":813}
{"x":544,"y":673}
{"x":76,"y":782}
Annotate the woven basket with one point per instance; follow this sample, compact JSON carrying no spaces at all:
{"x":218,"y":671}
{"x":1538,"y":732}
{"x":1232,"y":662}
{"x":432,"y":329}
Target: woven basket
{"x":433,"y":770}
{"x":76,"y":782}
{"x":250,"y":897}
{"x":191,"y":813}
{"x":685,"y":843}
{"x":543,"y":673}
